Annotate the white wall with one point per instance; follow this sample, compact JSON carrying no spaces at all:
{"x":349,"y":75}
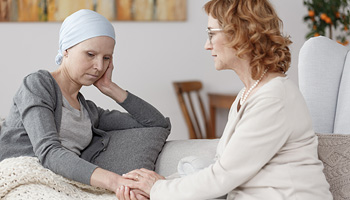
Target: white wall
{"x":149,"y":56}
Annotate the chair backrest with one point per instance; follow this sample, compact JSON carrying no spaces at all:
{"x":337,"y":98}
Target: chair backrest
{"x":324,"y":80}
{"x":188,"y":94}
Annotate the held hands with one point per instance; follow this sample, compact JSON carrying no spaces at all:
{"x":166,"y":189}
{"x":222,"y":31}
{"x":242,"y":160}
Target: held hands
{"x":143,"y":180}
{"x":125,"y":193}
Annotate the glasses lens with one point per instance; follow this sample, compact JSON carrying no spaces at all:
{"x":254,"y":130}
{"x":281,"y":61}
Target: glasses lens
{"x":209,"y":35}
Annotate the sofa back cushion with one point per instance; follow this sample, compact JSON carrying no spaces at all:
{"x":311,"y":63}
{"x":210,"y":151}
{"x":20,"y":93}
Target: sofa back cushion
{"x":324,"y":83}
{"x":342,"y":117}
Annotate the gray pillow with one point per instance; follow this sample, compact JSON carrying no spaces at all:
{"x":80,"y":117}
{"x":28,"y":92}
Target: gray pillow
{"x":1,"y":122}
{"x":334,"y":152}
{"x":132,"y":149}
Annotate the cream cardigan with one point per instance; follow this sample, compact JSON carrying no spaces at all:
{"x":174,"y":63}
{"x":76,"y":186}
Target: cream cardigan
{"x":268,"y":151}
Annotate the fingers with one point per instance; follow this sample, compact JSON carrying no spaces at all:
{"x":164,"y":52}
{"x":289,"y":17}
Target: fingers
{"x":142,"y":179}
{"x":150,"y":175}
{"x":138,"y":173}
{"x":140,"y":197}
{"x":120,"y":193}
{"x":132,"y":175}
{"x":140,"y":193}
{"x":124,"y":193}
{"x":110,"y":69}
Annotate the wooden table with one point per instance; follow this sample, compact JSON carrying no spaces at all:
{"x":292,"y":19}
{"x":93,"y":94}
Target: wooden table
{"x":218,"y":101}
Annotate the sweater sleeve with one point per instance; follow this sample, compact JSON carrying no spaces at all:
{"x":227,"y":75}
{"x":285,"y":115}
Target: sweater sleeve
{"x":36,"y":102}
{"x":250,"y":143}
{"x":139,"y":114}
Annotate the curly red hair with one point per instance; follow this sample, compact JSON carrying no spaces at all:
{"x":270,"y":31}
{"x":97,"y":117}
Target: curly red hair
{"x":253,"y":28}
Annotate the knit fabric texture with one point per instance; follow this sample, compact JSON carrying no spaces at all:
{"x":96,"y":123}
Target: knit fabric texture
{"x":25,"y":178}
{"x":334,"y":151}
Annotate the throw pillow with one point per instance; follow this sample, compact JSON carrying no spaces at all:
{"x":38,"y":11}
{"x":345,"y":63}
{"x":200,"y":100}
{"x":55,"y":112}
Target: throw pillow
{"x":132,"y":149}
{"x":1,"y":121}
{"x":192,"y":164}
{"x":334,"y":152}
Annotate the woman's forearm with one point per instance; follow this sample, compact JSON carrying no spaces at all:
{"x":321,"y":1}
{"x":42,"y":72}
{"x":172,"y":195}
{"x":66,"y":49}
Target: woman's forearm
{"x":115,"y":92}
{"x":106,"y":179}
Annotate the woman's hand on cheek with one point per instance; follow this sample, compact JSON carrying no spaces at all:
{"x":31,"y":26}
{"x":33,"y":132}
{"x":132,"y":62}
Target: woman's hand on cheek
{"x":108,"y":87}
{"x":105,"y":80}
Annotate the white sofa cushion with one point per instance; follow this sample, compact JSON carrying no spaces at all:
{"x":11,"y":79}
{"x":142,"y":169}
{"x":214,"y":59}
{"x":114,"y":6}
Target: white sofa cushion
{"x":321,"y":63}
{"x":342,"y":118}
{"x":175,"y":150}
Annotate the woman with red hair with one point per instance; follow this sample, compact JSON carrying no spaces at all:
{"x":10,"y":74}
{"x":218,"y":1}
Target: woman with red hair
{"x":268,"y":149}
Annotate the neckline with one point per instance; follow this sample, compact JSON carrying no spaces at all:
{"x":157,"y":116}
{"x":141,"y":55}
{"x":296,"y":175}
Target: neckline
{"x":238,"y":107}
{"x":67,"y":105}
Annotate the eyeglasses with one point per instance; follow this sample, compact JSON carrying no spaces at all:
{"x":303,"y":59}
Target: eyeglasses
{"x":210,"y":32}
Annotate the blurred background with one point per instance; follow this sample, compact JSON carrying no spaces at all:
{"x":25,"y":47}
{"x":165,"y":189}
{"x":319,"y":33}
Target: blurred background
{"x":149,"y":57}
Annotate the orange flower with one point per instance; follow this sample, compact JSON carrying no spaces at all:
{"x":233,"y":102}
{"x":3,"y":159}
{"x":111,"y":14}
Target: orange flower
{"x":316,"y":34}
{"x":314,"y":27}
{"x":343,"y":43}
{"x":311,"y":13}
{"x":323,"y":16}
{"x":346,"y":28}
{"x":328,"y":20}
{"x":337,"y":15}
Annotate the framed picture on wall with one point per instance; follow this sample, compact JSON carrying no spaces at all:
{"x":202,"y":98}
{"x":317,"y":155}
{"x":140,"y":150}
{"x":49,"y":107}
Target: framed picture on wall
{"x":113,"y":10}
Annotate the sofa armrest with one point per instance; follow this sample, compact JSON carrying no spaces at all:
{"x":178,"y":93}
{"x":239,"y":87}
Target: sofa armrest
{"x":174,"y":150}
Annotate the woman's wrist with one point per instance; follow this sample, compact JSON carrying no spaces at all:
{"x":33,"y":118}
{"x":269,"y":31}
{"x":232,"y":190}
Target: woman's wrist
{"x":106,"y":179}
{"x":116,"y":93}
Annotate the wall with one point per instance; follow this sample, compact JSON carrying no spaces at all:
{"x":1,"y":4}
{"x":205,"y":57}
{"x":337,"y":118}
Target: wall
{"x":148,"y":57}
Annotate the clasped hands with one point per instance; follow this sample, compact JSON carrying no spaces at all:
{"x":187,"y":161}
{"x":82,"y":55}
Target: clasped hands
{"x":142,"y":181}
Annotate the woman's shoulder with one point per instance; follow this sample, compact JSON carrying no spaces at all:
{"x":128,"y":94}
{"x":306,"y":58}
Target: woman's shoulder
{"x":40,"y":78}
{"x":278,"y":87}
{"x":40,"y":83}
{"x":39,"y":75}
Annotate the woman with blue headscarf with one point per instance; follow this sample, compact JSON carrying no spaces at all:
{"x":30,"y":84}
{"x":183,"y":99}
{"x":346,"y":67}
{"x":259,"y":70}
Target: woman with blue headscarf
{"x":51,"y":120}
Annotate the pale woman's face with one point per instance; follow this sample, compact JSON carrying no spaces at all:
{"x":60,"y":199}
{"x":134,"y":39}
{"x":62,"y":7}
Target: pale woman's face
{"x":224,"y":57}
{"x":87,"y":61}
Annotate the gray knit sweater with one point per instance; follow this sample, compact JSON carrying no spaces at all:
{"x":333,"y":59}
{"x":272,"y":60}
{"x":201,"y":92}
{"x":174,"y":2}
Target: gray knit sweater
{"x":32,"y":126}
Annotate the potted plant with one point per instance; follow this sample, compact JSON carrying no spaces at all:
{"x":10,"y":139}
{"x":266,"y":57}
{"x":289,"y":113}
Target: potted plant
{"x":328,"y":17}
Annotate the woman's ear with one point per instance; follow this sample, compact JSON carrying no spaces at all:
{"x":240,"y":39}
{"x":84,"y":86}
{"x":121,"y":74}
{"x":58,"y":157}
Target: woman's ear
{"x":65,"y":53}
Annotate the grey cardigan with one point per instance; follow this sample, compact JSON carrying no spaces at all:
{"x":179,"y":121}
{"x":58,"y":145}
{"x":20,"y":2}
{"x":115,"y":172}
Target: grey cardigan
{"x":32,"y":126}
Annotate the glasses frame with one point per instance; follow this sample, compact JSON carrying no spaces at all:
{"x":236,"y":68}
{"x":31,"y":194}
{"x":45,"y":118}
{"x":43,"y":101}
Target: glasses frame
{"x":210,"y":33}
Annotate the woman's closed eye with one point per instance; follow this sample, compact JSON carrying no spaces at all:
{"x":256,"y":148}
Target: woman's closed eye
{"x":90,"y":54}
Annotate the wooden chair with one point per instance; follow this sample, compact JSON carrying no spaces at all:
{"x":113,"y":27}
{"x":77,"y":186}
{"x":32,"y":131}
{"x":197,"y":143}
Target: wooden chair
{"x":198,"y":123}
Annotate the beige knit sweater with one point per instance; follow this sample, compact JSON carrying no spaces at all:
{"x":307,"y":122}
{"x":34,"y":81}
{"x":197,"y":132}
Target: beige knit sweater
{"x":268,"y":151}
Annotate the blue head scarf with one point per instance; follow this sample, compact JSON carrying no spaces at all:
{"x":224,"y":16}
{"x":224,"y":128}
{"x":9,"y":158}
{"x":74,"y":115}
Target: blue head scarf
{"x":82,"y":25}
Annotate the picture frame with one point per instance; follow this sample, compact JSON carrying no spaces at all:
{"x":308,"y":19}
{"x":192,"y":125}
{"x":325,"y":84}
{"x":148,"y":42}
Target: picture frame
{"x":113,"y":10}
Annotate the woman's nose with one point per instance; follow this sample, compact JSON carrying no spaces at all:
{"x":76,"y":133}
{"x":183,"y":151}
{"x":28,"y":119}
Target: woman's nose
{"x":208,"y":45}
{"x":98,"y":64}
